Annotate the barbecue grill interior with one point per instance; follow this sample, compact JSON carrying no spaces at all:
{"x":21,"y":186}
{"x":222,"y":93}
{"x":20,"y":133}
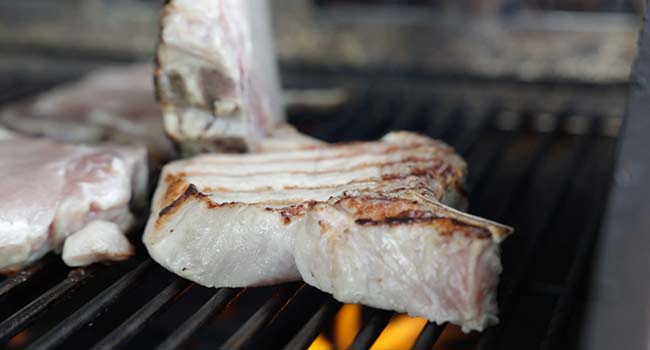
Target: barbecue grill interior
{"x":541,"y":154}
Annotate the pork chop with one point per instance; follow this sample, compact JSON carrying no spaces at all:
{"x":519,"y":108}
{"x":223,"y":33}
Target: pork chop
{"x":216,"y":74}
{"x":51,"y":190}
{"x":113,"y":104}
{"x":368,"y":222}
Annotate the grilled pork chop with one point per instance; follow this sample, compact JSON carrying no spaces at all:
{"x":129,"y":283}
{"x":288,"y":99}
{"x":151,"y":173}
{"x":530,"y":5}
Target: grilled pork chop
{"x":368,"y":222}
{"x":216,"y":74}
{"x":52,"y":190}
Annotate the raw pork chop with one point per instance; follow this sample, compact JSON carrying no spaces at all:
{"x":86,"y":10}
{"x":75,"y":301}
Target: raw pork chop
{"x":51,"y":190}
{"x":368,"y":222}
{"x":217,"y":78}
{"x":114,"y":104}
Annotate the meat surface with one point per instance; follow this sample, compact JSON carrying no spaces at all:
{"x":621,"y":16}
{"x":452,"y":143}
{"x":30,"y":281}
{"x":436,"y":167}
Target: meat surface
{"x":98,"y":241}
{"x":114,"y":104}
{"x":216,"y":74}
{"x":368,"y":222}
{"x":52,"y":190}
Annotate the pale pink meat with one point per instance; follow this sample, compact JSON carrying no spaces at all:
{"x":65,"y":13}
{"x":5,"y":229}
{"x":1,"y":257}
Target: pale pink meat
{"x":51,"y":190}
{"x":114,"y":104}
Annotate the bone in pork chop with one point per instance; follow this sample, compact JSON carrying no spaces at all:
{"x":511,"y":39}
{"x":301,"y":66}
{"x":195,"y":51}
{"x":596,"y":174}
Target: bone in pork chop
{"x":368,"y":222}
{"x":216,"y":74}
{"x":52,"y":190}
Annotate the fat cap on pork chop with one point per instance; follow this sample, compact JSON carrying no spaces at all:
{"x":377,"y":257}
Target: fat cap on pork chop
{"x":369,"y":222}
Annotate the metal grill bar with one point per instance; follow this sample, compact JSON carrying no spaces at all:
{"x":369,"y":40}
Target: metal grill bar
{"x":411,"y":117}
{"x":428,"y":336}
{"x":21,"y":319}
{"x":262,"y":317}
{"x":215,"y":305}
{"x":91,"y":310}
{"x":441,"y":128}
{"x":313,"y":327}
{"x":579,"y":267}
{"x":480,"y":172}
{"x":506,"y":208}
{"x":14,"y":283}
{"x":123,"y":333}
{"x":332,"y":129}
{"x":511,"y":287}
{"x":371,"y":331}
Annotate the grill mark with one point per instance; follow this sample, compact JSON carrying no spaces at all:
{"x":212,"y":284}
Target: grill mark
{"x":176,"y":185}
{"x":377,"y":210}
{"x":190,"y":193}
{"x":293,"y":211}
{"x":446,"y":226}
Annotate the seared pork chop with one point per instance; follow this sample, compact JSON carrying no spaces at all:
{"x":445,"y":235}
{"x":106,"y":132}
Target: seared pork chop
{"x":369,"y":222}
{"x":52,"y":190}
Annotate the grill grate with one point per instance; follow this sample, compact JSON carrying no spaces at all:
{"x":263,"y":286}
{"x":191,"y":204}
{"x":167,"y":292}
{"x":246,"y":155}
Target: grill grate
{"x":546,"y":173}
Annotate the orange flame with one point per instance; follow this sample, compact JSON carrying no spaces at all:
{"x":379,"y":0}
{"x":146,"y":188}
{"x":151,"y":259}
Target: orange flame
{"x":346,"y":325}
{"x":321,"y":343}
{"x":401,"y":333}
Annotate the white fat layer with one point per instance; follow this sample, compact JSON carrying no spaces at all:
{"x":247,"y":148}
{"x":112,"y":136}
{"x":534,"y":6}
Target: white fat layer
{"x":98,"y":241}
{"x":326,"y":152}
{"x":281,"y":181}
{"x":338,"y":164}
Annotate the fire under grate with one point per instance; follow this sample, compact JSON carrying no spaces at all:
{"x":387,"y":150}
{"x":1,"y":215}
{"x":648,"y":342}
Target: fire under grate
{"x":547,"y":173}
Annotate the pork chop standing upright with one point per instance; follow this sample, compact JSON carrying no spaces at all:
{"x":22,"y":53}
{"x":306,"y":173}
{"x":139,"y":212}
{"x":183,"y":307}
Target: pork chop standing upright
{"x":216,"y":75}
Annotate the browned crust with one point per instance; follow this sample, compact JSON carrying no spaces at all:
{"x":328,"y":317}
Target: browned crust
{"x":408,"y":205}
{"x":190,"y":193}
{"x":370,"y":210}
{"x":293,"y":211}
{"x":445,"y":226}
{"x":176,"y":186}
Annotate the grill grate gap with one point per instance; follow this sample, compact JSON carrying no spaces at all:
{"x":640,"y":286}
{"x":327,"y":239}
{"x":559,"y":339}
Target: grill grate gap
{"x":91,"y":310}
{"x":137,"y":321}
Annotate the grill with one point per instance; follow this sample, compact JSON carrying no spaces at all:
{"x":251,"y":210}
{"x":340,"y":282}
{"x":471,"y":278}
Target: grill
{"x":539,"y":160}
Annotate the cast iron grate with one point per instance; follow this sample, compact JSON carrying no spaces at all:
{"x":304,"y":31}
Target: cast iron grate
{"x":547,"y":174}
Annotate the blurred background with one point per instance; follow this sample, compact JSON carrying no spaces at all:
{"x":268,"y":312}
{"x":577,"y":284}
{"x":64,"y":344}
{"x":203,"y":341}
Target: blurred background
{"x":590,"y":40}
